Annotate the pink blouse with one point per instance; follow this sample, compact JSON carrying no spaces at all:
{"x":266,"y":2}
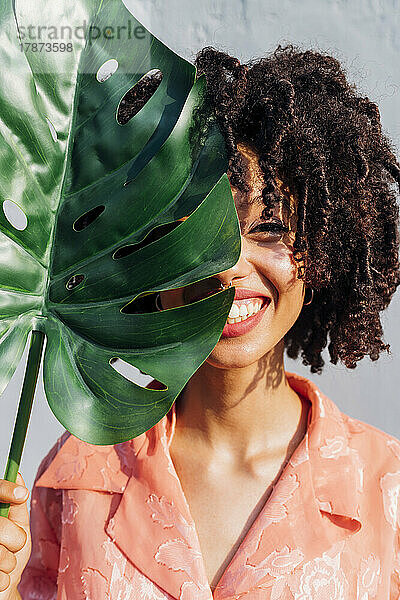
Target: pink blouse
{"x":113,"y":523}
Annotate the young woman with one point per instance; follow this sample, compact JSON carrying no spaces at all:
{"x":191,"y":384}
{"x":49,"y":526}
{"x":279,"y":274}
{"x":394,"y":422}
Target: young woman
{"x":255,"y":485}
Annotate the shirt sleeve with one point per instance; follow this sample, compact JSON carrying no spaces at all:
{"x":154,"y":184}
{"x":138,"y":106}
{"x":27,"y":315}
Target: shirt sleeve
{"x":395,"y":572}
{"x":39,"y":578}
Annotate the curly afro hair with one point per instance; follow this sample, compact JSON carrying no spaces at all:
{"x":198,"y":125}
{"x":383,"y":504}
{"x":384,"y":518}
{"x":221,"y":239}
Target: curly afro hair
{"x":311,"y":129}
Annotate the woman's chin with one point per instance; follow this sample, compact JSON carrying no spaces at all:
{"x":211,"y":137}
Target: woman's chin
{"x":230,"y":354}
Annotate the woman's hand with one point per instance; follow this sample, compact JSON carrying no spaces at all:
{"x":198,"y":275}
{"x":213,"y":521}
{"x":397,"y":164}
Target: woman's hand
{"x":15,"y":538}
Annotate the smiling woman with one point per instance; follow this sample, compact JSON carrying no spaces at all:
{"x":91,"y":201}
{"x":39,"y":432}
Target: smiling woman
{"x":255,"y":485}
{"x":311,"y":175}
{"x":267,"y":259}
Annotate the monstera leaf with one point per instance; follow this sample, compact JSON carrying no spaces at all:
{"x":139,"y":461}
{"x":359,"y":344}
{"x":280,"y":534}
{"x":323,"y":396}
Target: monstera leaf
{"x":104,"y":203}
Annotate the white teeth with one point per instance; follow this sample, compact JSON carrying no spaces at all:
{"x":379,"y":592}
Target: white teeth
{"x":243,"y":310}
{"x":234,"y":312}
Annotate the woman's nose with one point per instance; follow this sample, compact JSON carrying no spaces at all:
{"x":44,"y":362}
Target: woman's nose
{"x":240,"y":270}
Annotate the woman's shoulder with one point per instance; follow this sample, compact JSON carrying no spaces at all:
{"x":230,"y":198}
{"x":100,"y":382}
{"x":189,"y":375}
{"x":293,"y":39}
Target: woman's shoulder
{"x":339,"y":433}
{"x":372,"y":443}
{"x":51,"y":454}
{"x":72,"y":463}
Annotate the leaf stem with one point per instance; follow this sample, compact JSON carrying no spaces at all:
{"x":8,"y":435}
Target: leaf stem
{"x":24,"y":412}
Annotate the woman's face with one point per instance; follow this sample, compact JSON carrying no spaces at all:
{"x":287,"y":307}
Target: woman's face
{"x":266,"y":266}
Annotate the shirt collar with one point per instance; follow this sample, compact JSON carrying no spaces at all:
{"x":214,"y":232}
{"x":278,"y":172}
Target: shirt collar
{"x":136,"y":469}
{"x":79,"y":465}
{"x":333,"y":463}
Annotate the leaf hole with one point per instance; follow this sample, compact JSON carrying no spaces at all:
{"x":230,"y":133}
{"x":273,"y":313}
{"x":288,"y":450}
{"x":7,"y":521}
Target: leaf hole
{"x":201,"y":290}
{"x":135,"y":98}
{"x":134,"y":374}
{"x":146,"y":303}
{"x":87,"y":219}
{"x":74,"y":281}
{"x":107,"y":69}
{"x":15,"y":215}
{"x":52,"y":130}
{"x":152,"y":236}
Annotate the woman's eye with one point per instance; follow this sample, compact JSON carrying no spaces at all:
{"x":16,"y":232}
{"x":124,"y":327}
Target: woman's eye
{"x":271,"y":227}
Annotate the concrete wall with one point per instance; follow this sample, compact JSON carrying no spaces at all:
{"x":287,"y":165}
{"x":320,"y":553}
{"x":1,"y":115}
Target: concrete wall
{"x":363,"y":34}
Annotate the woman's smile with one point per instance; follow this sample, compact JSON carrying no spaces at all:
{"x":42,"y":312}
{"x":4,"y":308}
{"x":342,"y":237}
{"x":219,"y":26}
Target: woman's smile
{"x":246,"y":312}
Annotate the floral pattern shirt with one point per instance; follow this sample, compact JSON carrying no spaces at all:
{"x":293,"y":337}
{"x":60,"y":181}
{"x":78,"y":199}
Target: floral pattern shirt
{"x":112,"y":522}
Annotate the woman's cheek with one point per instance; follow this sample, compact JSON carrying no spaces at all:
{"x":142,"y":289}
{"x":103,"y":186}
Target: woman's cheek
{"x":280,"y":270}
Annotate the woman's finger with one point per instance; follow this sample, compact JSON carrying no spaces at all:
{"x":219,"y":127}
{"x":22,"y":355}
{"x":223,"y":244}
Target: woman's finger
{"x":19,"y":511}
{"x":13,"y":492}
{"x":8,"y":560}
{"x":12,"y":536}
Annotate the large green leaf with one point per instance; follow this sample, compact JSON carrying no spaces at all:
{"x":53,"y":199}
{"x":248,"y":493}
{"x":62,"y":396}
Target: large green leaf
{"x":151,"y":171}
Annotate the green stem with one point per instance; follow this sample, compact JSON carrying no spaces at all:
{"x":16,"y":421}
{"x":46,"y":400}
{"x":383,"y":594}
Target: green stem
{"x":24,"y":412}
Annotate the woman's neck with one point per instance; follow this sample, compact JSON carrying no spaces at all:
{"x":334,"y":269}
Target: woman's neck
{"x":241,"y":413}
